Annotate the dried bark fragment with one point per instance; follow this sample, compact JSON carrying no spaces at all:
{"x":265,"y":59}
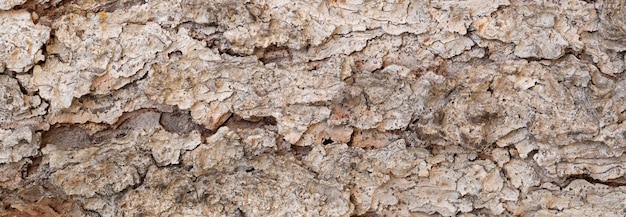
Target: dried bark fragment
{"x":221,"y":152}
{"x":17,"y":107}
{"x":539,"y":35}
{"x":8,"y":4}
{"x":612,"y":22}
{"x":48,"y":207}
{"x":113,"y":56}
{"x":16,"y":144}
{"x":94,"y":172}
{"x":20,"y":41}
{"x":11,"y":175}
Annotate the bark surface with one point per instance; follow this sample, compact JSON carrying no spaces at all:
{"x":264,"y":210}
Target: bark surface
{"x":312,"y":108}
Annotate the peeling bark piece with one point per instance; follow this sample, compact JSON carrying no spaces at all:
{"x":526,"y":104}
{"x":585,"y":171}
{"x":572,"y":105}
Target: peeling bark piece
{"x":15,"y":106}
{"x":457,"y":16}
{"x":97,"y":170}
{"x":447,"y":203}
{"x":500,"y":156}
{"x":33,"y":193}
{"x":35,"y":209}
{"x":258,"y":141}
{"x":20,"y":40}
{"x":221,"y":152}
{"x":16,"y":144}
{"x":140,"y":46}
{"x":106,"y":108}
{"x":295,"y":25}
{"x":396,"y":159}
{"x":323,"y":133}
{"x":372,"y":138}
{"x":67,"y":137}
{"x":166,"y":148}
{"x":163,"y":193}
{"x":606,"y":168}
{"x":608,"y":60}
{"x":141,"y":119}
{"x":167,"y":192}
{"x":521,"y":174}
{"x":193,"y":84}
{"x":69,"y":73}
{"x":577,"y":198}
{"x":297,"y":118}
{"x":333,"y":162}
{"x":447,"y":45}
{"x":538,"y":35}
{"x":11,"y":174}
{"x":111,"y":61}
{"x":382,"y":101}
{"x":177,"y":122}
{"x":612,"y":22}
{"x":357,"y":41}
{"x":8,"y":4}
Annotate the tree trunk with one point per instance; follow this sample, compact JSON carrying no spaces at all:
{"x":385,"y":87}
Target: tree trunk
{"x":312,"y":108}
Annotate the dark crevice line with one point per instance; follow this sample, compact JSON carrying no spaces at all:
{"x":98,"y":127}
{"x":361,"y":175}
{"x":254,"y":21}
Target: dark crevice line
{"x":617,"y":182}
{"x":178,"y":121}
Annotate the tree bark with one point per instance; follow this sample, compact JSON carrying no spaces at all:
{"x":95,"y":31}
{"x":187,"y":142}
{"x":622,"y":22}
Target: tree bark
{"x":312,"y":108}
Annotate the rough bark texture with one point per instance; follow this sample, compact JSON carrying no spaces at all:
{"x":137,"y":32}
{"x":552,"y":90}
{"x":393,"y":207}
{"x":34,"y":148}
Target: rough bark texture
{"x":312,"y":108}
